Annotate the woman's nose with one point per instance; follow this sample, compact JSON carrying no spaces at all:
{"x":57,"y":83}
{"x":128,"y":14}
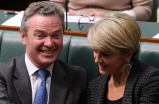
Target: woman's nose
{"x":97,"y":57}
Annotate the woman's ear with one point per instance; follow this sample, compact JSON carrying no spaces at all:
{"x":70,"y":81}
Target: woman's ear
{"x":129,"y":55}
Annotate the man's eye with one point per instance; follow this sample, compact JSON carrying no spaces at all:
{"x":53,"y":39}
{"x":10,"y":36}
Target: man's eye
{"x":57,"y":36}
{"x":39,"y":36}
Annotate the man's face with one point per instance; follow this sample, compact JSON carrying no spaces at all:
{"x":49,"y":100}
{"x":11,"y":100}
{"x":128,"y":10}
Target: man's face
{"x":44,"y":40}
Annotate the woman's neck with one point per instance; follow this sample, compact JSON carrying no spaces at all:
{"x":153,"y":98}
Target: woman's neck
{"x":119,"y":79}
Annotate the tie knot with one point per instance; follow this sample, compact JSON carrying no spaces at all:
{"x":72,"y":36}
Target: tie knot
{"x":43,"y":74}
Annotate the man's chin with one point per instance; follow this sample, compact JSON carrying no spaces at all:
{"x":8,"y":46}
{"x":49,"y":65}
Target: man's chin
{"x":49,"y":61}
{"x":46,"y":64}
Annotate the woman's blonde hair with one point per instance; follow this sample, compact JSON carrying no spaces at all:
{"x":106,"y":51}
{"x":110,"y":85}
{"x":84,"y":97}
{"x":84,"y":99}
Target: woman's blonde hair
{"x":115,"y":32}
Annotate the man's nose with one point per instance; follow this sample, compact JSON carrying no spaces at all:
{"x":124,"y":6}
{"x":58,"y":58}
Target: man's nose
{"x":49,"y":42}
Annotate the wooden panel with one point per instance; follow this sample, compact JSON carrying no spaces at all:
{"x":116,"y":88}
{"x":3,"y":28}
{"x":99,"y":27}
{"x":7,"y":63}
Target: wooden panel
{"x":74,"y":33}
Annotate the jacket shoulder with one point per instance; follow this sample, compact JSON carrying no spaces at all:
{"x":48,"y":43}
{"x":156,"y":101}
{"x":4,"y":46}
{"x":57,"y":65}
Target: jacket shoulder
{"x":8,"y":68}
{"x":70,"y":68}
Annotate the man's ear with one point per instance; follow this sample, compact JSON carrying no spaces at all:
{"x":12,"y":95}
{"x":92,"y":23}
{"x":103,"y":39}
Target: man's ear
{"x":23,"y":37}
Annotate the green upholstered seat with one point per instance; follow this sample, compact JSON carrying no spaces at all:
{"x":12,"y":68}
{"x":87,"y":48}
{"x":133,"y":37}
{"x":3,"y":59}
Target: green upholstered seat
{"x":66,"y":43}
{"x":149,"y":54}
{"x":1,"y":32}
{"x":11,"y":45}
{"x":81,"y":54}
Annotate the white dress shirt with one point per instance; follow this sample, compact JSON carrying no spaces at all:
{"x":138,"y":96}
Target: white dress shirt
{"x":35,"y":79}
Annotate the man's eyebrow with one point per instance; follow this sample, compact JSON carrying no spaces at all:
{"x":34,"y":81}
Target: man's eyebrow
{"x":58,"y":31}
{"x":40,"y":31}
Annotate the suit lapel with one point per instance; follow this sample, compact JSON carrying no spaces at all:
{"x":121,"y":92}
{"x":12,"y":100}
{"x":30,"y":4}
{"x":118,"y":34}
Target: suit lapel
{"x":134,"y":75}
{"x":102,"y":90}
{"x":59,"y":85}
{"x":22,"y":82}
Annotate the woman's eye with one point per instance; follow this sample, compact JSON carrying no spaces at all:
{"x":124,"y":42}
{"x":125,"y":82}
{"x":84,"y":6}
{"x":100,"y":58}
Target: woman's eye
{"x":106,"y":54}
{"x":94,"y":50}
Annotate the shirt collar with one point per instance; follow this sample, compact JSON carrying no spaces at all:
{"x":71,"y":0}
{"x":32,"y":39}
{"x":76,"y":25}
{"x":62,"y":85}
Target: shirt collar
{"x":32,"y":68}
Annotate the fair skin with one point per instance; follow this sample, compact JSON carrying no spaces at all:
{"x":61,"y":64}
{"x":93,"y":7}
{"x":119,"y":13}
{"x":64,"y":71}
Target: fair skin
{"x":44,"y":40}
{"x":113,"y":64}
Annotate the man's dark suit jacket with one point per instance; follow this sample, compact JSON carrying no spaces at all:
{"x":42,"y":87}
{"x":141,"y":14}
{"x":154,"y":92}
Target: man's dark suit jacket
{"x":67,"y":83}
{"x":142,"y":86}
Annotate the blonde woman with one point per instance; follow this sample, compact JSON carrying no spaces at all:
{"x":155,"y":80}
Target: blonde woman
{"x":124,"y":79}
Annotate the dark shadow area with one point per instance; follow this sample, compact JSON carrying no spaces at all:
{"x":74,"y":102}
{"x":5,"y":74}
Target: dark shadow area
{"x":153,"y":17}
{"x":16,"y":4}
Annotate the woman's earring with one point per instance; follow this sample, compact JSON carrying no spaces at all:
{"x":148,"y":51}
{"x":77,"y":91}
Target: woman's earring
{"x":128,"y":65}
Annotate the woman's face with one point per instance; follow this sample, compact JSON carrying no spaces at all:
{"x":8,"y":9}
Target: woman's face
{"x":110,"y":63}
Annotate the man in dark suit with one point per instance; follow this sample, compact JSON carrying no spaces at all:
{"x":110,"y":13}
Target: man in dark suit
{"x":20,"y":82}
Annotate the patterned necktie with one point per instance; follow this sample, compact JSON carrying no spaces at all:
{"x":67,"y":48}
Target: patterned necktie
{"x":41,"y":94}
